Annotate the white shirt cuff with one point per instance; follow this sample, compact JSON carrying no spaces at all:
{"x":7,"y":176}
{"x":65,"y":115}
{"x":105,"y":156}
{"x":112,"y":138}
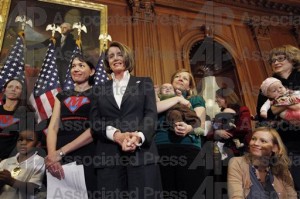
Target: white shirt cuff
{"x":110,"y":131}
{"x":141,"y":135}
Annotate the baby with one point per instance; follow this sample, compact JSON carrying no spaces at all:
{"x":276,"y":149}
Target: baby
{"x":281,"y":97}
{"x":21,"y":175}
{"x":226,"y":121}
{"x":179,"y":112}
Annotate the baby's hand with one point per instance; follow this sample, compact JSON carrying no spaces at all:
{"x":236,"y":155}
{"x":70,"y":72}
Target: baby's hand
{"x":264,"y":114}
{"x":184,"y":102}
{"x":178,"y":93}
{"x":294,"y":99}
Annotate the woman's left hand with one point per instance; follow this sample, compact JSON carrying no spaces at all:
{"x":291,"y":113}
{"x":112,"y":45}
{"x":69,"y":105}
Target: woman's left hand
{"x":182,"y":129}
{"x":52,"y":158}
{"x":223,"y":134}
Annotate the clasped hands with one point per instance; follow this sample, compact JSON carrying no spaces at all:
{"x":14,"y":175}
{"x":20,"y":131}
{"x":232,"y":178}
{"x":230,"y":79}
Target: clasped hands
{"x":54,"y":166}
{"x":129,"y":141}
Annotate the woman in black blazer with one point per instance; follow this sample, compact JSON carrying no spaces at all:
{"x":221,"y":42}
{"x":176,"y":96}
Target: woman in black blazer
{"x":124,"y":116}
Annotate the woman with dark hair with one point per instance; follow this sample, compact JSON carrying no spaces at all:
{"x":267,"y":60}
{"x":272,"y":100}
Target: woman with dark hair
{"x":69,"y":137}
{"x":231,"y":127}
{"x":233,"y":124}
{"x":12,"y":111}
{"x":285,"y":62}
{"x":124,"y":116}
{"x":264,"y":171}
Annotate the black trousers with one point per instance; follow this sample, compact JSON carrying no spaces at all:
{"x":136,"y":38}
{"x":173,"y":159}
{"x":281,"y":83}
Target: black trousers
{"x":181,"y":175}
{"x":124,"y":182}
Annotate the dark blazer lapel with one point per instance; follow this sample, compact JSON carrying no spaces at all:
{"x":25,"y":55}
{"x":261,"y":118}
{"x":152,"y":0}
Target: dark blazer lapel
{"x":131,"y":88}
{"x":109,"y":94}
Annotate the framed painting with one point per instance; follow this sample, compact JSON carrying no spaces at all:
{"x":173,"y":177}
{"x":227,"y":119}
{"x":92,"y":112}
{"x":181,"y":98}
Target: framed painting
{"x":41,"y":13}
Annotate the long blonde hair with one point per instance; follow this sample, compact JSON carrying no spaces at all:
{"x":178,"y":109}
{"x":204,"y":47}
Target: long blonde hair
{"x":279,"y":162}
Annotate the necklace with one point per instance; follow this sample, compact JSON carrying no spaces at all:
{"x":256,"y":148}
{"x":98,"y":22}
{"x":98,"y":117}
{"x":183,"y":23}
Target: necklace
{"x":9,"y":107}
{"x":256,"y":169}
{"x":80,"y":90}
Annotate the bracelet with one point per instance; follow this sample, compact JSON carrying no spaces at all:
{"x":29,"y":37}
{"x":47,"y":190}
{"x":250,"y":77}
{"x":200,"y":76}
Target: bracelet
{"x":61,"y":153}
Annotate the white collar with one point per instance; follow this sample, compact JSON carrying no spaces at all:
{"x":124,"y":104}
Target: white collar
{"x":125,"y":77}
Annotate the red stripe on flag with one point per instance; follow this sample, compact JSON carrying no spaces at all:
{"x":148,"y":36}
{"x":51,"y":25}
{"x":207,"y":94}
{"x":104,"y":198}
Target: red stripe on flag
{"x":41,"y":109}
{"x":50,"y":98}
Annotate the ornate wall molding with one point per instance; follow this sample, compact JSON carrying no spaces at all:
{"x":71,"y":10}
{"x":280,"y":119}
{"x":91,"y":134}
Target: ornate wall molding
{"x":296,"y":33}
{"x":263,"y":4}
{"x":142,"y":10}
{"x":258,"y":28}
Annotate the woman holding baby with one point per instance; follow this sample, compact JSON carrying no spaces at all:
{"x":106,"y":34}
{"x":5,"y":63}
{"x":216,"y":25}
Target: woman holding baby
{"x":285,"y":62}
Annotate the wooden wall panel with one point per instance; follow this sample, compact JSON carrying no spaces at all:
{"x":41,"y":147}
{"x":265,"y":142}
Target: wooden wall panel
{"x":168,"y":44}
{"x":120,"y":23}
{"x":250,"y":66}
{"x":168,"y":53}
{"x":281,"y":36}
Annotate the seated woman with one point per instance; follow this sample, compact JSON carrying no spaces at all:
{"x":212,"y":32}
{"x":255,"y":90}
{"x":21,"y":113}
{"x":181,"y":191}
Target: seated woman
{"x":264,"y":172}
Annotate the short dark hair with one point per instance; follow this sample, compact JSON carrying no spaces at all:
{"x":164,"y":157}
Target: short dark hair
{"x":127,"y":55}
{"x":82,"y":58}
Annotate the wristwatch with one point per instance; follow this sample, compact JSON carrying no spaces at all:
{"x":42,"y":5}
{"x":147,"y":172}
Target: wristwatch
{"x":61,"y":153}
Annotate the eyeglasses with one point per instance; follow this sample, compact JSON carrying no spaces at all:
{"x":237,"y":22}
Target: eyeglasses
{"x":279,"y":59}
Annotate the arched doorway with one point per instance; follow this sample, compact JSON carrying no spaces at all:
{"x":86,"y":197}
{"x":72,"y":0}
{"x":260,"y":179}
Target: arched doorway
{"x":213,"y":67}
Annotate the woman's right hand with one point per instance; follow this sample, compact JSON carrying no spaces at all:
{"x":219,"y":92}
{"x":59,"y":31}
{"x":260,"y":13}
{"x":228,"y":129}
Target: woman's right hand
{"x":56,"y":170}
{"x":223,"y":134}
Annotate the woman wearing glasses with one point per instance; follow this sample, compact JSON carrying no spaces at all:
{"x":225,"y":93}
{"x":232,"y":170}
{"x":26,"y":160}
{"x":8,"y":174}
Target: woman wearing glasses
{"x":285,"y":62}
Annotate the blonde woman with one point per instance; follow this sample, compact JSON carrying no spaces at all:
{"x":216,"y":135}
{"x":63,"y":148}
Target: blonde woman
{"x":264,"y":172}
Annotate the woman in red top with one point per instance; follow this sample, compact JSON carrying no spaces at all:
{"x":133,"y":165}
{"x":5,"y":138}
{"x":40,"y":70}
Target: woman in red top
{"x":231,"y":127}
{"x":238,"y":118}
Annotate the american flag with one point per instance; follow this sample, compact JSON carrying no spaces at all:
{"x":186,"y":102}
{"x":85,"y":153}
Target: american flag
{"x":100,"y":74}
{"x":14,"y":65}
{"x":46,"y":86}
{"x":69,"y":83}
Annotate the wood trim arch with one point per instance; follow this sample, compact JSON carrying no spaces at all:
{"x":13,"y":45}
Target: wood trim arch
{"x":189,"y":38}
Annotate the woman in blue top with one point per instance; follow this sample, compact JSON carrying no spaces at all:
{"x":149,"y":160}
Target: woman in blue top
{"x":178,"y":149}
